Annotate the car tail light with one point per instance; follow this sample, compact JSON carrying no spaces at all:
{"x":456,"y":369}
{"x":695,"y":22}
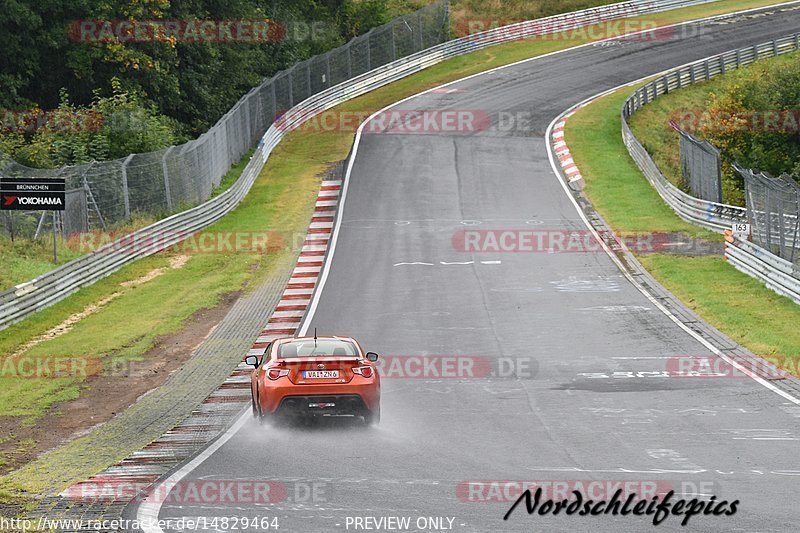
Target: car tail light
{"x":365,"y":371}
{"x":277,"y":373}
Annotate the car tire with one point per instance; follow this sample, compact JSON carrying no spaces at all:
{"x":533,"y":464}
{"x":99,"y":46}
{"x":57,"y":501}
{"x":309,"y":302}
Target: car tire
{"x":373,"y":418}
{"x":256,"y":413}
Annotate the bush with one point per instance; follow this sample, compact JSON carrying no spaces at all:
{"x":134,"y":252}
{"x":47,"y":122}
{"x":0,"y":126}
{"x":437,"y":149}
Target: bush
{"x":753,"y":119}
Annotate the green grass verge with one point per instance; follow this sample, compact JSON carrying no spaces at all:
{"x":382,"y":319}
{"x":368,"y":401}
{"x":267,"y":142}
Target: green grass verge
{"x":734,"y":303}
{"x":623,"y":197}
{"x":282,"y":198}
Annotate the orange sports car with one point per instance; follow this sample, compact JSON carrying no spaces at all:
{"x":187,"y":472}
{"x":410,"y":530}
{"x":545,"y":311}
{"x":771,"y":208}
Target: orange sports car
{"x":310,"y":376}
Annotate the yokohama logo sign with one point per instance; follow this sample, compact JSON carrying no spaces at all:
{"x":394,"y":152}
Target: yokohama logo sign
{"x":32,"y":194}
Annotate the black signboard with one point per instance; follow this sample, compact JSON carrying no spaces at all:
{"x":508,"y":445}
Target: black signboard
{"x":36,"y":194}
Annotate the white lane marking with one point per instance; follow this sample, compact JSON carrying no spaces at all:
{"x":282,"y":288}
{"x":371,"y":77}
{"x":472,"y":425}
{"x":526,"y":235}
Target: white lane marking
{"x":594,"y":284}
{"x":644,"y":358}
{"x":152,"y":512}
{"x":449,"y":263}
{"x":616,"y":309}
{"x":150,"y":508}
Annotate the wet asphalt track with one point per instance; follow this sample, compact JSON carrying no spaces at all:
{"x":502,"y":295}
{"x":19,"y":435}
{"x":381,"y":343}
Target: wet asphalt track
{"x":563,"y":314}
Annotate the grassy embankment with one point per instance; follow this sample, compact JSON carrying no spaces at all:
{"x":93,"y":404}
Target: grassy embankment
{"x":735,"y":303}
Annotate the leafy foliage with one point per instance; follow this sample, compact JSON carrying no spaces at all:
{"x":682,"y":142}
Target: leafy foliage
{"x":165,"y":88}
{"x":109,"y":128}
{"x":753,"y":118}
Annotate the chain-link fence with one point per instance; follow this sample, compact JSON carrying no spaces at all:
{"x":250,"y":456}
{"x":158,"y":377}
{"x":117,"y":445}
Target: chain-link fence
{"x":773,"y":210}
{"x":701,"y":169}
{"x":178,"y":177}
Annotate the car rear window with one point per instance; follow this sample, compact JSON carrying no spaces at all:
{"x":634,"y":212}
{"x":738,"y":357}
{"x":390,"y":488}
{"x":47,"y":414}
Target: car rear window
{"x":318,"y":348}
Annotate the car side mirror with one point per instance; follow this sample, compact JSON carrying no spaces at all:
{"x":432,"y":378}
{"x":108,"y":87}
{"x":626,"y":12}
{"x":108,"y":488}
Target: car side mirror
{"x":251,"y":360}
{"x":372,"y":356}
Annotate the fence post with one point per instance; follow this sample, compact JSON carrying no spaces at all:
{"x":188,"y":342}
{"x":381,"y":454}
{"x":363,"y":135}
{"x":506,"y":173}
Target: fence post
{"x":90,"y":196}
{"x":797,"y":41}
{"x":368,"y":38}
{"x":422,"y":37}
{"x":708,"y":69}
{"x":125,"y":193}
{"x":165,"y":171}
{"x":349,"y":61}
{"x":738,"y":57}
{"x":775,"y":47}
{"x":722,"y":64}
{"x":308,"y":77}
{"x":328,"y":81}
{"x":394,"y":43}
{"x":274,"y":117}
{"x":290,"y":75}
{"x":755,"y":52}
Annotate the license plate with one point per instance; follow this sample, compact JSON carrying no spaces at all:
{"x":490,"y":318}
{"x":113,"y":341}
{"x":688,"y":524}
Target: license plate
{"x":320,"y":374}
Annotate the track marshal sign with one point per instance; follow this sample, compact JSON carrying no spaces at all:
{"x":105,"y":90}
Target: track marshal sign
{"x":38,"y":194}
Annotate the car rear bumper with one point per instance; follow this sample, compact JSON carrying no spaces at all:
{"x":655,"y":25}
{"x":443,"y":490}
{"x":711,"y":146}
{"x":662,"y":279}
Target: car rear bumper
{"x":336,"y":405}
{"x":351,"y":399}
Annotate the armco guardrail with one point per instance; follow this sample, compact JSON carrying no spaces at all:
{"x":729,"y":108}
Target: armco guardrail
{"x":778,"y":274}
{"x":45,"y":290}
{"x":714,"y":216}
